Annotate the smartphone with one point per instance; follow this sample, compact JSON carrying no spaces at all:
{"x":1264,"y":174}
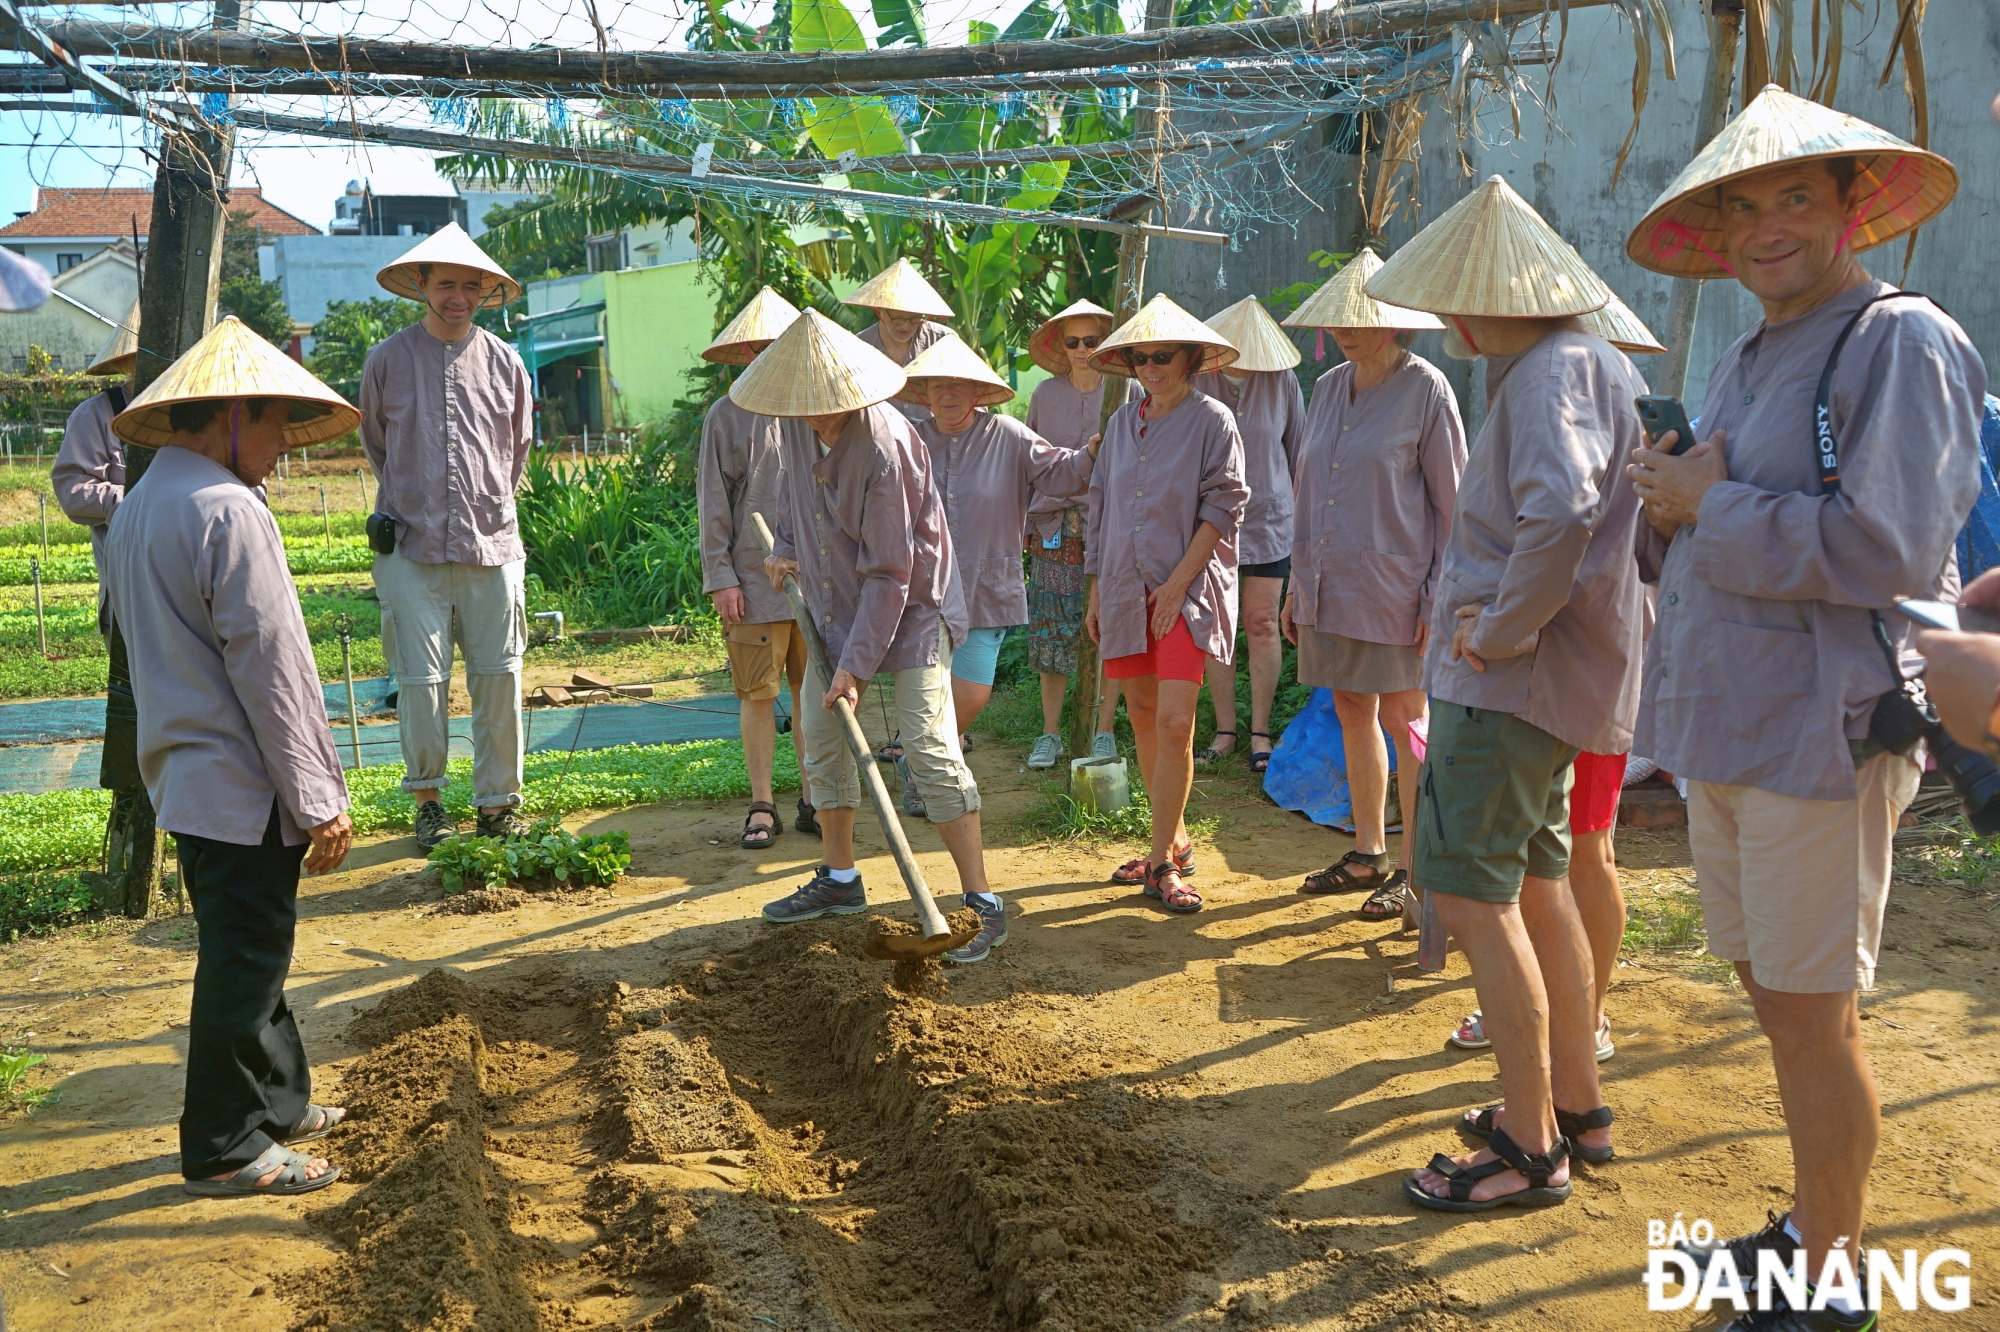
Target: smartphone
{"x":1944,"y":615}
{"x":1659,"y":414}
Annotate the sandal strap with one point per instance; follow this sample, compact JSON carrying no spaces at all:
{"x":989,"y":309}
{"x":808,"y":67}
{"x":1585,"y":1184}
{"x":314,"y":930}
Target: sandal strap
{"x":1537,"y":1166}
{"x":762,"y":807}
{"x":1463,"y":1178}
{"x":1572,"y":1125}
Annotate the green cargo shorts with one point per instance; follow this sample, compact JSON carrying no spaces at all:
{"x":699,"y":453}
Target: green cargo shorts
{"x":1495,"y":804}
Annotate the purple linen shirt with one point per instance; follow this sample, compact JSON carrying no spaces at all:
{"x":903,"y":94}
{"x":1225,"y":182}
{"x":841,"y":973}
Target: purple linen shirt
{"x":230,"y":709}
{"x":1270,"y":416}
{"x":928,"y":333}
{"x":1543,"y":538}
{"x":1764,"y":664}
{"x":1148,"y":494}
{"x":739,"y":473}
{"x":89,"y":475}
{"x":867,"y":528}
{"x":987,"y":474}
{"x":447,"y":427}
{"x":1067,"y":417}
{"x":1376,"y":485}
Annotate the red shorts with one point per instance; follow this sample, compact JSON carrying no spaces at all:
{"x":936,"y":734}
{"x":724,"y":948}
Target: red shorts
{"x":1593,"y":797}
{"x":1174,"y":657}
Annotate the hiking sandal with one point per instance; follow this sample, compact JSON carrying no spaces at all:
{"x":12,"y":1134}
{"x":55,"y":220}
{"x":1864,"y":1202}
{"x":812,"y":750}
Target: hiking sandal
{"x":292,"y":1178}
{"x":913,"y":800}
{"x":1387,"y":900}
{"x":891,"y":750}
{"x":1260,"y":759}
{"x":1507,"y":1156}
{"x":1207,"y":754}
{"x":1479,"y":1123}
{"x":1178,"y":898}
{"x":757,"y":837}
{"x":1339,"y":877}
{"x":808,"y":819}
{"x":315,"y":1123}
{"x":1133,"y":872}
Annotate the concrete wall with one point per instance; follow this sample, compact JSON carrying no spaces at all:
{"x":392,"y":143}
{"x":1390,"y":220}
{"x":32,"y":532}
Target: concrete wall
{"x":108,"y":283}
{"x":1562,"y":164}
{"x":656,"y":321}
{"x":315,"y":271}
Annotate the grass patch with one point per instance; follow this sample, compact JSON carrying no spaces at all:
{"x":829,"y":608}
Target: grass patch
{"x":37,"y":902}
{"x":15,"y":1065}
{"x":1056,"y":817}
{"x":1669,"y":921}
{"x":1950,"y":853}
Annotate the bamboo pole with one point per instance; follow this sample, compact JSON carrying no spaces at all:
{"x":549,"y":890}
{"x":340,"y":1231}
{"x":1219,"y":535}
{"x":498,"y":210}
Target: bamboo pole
{"x":43,"y":500}
{"x":345,"y":624}
{"x":1725,"y":30}
{"x":361,"y":484}
{"x":326,"y":517}
{"x":41,"y":626}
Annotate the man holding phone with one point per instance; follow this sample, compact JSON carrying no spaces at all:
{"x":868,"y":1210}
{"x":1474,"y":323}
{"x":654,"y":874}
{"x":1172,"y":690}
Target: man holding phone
{"x":1841,"y":461}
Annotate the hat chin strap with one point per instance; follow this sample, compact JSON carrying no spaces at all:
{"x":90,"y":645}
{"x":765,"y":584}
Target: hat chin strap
{"x":1466,"y":333}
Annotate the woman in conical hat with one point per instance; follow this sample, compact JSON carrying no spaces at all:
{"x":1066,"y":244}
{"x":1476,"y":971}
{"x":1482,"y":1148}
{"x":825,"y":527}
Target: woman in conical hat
{"x":739,"y":471}
{"x":989,"y":467}
{"x":1263,"y":394}
{"x":861,"y":523}
{"x":233,"y":741}
{"x":1066,"y":409}
{"x":1842,"y":455}
{"x":1166,"y":501}
{"x":1377,"y":483}
{"x":1535,"y":641}
{"x":89,"y":473}
{"x":904,"y":306}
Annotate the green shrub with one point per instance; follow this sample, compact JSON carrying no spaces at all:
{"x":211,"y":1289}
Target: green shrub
{"x":52,"y":829}
{"x":34,"y":902}
{"x":15,"y":1065}
{"x":546,"y":852}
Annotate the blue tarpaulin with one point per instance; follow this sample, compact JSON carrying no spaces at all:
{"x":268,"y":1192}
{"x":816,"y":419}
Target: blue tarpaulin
{"x":1979,"y":542}
{"x":1308,"y":769}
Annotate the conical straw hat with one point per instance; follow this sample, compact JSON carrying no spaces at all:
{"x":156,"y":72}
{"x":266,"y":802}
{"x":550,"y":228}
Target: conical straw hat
{"x":1163,"y":321}
{"x":766,"y":316}
{"x":448,"y":245}
{"x":816,"y":368}
{"x":233,"y":362}
{"x":1489,"y":254}
{"x":1617,"y":325}
{"x":950,"y":358}
{"x":120,"y":352}
{"x":1045,"y":346}
{"x":1341,"y":303}
{"x":1899,"y":187}
{"x":901,"y":287}
{"x":1260,"y":343}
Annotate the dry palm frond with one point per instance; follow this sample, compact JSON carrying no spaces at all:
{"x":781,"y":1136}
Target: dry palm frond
{"x":1400,"y":147}
{"x":1826,"y":58}
{"x":1756,"y":47}
{"x":1637,"y":12}
{"x":1909,"y":39}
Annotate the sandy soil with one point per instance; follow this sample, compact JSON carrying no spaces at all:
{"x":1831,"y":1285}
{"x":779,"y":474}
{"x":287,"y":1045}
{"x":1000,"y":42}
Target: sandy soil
{"x":644,"y":1108}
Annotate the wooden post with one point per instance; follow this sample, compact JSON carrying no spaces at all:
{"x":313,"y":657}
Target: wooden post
{"x":1725,"y":29}
{"x":183,"y":270}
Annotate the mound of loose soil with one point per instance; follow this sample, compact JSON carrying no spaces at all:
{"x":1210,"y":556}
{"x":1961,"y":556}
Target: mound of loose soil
{"x":425,"y":1002}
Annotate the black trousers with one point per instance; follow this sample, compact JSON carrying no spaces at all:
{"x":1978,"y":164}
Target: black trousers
{"x":247,"y":1075}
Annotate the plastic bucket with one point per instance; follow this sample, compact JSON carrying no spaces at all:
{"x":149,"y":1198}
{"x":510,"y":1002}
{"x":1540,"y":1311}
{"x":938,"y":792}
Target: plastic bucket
{"x":1099,"y":785}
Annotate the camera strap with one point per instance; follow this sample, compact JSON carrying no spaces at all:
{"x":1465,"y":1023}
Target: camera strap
{"x":1828,"y":450}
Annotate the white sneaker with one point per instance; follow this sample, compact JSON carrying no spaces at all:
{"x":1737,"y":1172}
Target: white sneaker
{"x":1104,"y":745}
{"x":1048,"y":749}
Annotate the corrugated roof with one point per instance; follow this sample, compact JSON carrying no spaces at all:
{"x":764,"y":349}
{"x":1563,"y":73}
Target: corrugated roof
{"x":109,"y":213}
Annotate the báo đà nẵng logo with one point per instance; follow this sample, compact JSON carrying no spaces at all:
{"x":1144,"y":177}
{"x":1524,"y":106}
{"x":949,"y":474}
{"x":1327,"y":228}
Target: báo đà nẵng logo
{"x":1911,"y":1279}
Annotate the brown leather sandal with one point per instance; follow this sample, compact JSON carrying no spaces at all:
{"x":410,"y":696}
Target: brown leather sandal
{"x":757,"y":836}
{"x":1340,"y":876}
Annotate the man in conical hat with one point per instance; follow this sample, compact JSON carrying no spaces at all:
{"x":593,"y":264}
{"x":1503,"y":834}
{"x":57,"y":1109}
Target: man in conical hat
{"x":1532,"y":660}
{"x":739,"y":471}
{"x":89,"y":473}
{"x":904,"y":306}
{"x":447,"y":419}
{"x":861,"y":524}
{"x":233,"y":739}
{"x":1791,"y":530}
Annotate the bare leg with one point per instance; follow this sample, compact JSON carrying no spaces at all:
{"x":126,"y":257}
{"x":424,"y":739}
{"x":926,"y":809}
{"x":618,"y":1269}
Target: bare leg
{"x":1593,"y":878}
{"x":836,"y":830}
{"x":1267,"y":652}
{"x":1397,"y":711}
{"x":1367,"y":767}
{"x":1053,"y":689}
{"x":968,"y":700}
{"x":759,"y":723}
{"x":1221,"y":680}
{"x":1556,"y":933}
{"x":1107,"y":705}
{"x":1832,"y":1110}
{"x":422,"y":796}
{"x":1143,"y":706}
{"x":961,"y":838}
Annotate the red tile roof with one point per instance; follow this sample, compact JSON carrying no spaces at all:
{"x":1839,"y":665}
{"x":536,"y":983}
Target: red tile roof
{"x":109,"y":213}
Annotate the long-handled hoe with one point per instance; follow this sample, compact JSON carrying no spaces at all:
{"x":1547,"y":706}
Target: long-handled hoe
{"x":937,"y":936}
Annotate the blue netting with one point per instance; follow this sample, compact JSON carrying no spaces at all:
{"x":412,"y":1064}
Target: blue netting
{"x":1979,"y":542}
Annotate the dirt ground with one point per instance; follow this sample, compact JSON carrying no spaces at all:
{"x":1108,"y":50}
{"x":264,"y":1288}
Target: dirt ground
{"x":643,"y":1108}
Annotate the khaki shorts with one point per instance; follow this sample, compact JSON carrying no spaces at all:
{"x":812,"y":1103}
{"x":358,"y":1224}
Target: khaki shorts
{"x":1796,"y":887}
{"x":927,"y":724}
{"x":1495,"y":804}
{"x":761,"y":656}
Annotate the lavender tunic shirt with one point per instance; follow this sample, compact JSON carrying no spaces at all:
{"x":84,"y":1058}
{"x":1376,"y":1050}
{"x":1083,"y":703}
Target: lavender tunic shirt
{"x":1270,"y":416}
{"x":1376,"y":485}
{"x":1067,"y":417}
{"x":1155,"y":482}
{"x":739,"y":473}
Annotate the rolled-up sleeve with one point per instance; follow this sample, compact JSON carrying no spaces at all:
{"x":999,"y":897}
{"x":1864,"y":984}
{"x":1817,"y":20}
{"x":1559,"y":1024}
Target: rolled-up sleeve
{"x":1224,"y":492}
{"x":1908,"y":480}
{"x":255,"y":612}
{"x":1057,"y":472}
{"x":1555,"y":495}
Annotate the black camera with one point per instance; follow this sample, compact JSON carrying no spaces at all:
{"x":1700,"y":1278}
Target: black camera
{"x":1904,"y":718}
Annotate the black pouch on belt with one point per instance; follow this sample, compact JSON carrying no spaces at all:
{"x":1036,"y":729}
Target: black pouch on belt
{"x":381,"y":534}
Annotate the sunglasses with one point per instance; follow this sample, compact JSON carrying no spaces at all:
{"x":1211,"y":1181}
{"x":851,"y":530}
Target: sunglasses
{"x":1157,"y":358}
{"x":1074,"y":343}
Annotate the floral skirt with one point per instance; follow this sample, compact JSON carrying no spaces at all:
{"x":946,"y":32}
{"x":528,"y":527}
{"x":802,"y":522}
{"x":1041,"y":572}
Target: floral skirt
{"x":1056,"y":599}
